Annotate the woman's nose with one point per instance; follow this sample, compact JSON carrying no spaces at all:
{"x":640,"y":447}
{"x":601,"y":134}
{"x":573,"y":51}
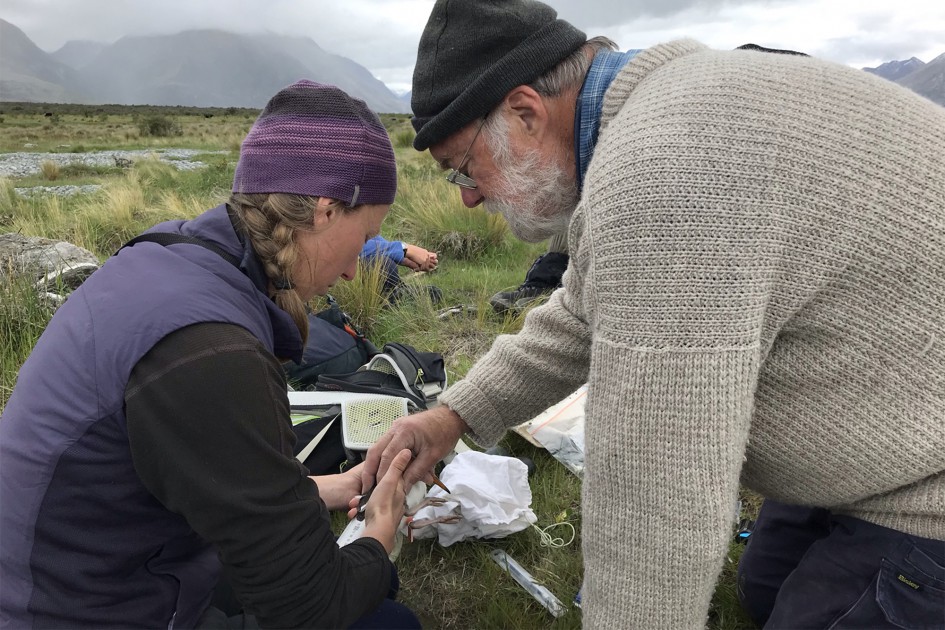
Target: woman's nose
{"x":351,"y":271}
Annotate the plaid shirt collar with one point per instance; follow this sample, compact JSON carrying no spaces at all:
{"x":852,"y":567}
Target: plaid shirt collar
{"x":603,"y":69}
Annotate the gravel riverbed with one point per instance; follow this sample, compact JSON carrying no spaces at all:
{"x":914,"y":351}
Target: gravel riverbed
{"x":22,"y":164}
{"x":59,"y":191}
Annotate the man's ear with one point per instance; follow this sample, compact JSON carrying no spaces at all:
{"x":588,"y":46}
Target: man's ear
{"x":529,"y":111}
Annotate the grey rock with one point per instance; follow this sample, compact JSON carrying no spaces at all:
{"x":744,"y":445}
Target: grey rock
{"x":53,"y":266}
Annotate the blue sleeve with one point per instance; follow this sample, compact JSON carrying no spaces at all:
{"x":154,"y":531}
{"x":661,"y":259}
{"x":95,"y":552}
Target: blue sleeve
{"x":380,"y":246}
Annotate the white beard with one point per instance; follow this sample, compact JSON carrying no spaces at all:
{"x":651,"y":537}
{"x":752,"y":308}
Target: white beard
{"x":537,"y":200}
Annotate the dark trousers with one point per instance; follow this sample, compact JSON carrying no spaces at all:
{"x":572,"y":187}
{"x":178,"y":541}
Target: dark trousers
{"x":225,"y":612}
{"x":808,"y":568}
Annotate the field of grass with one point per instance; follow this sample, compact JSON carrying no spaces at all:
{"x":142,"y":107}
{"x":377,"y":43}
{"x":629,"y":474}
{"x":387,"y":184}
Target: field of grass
{"x":455,"y":587}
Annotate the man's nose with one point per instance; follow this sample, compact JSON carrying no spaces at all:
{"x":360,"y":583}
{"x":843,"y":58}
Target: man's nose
{"x":471,"y":197}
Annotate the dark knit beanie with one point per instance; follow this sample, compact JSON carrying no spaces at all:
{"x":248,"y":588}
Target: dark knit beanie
{"x":313,"y":139}
{"x":473,"y":52}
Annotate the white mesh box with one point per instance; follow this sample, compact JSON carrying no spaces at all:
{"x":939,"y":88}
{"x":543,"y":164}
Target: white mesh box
{"x":364,"y":420}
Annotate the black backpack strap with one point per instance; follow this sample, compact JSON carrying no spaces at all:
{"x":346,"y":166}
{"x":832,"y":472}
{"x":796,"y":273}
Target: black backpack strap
{"x":369,"y":382}
{"x":171,"y":238}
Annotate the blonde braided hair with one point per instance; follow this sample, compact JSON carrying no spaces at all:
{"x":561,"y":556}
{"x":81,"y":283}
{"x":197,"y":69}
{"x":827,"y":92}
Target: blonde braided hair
{"x":270,"y":221}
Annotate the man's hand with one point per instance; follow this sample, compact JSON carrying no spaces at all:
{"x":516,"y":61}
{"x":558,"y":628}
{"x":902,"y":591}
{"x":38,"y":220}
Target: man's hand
{"x":428,"y":435}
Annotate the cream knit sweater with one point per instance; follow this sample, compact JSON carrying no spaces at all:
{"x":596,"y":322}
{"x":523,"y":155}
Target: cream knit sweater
{"x":756,"y":294}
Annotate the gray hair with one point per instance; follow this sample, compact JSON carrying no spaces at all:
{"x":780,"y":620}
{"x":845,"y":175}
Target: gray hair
{"x":570,"y":73}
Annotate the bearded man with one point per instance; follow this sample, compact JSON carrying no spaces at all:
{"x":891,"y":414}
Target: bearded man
{"x":756,"y":294}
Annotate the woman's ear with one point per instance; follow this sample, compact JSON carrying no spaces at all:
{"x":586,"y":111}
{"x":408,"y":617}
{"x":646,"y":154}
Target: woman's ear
{"x":325,"y":211}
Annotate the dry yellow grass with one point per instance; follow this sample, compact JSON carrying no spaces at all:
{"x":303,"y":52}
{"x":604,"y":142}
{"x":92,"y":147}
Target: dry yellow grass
{"x":50,"y":170}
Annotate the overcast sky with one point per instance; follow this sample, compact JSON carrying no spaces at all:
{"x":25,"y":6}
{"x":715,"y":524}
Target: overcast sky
{"x":382,"y":35}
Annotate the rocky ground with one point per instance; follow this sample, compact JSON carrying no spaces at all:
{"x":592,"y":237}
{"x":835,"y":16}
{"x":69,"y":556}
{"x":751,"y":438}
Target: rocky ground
{"x":22,"y":164}
{"x":59,"y":191}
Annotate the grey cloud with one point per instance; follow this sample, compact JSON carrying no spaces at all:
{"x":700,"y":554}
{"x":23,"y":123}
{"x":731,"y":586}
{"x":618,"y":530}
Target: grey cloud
{"x":588,"y":14}
{"x":382,"y":35}
{"x":868,"y":48}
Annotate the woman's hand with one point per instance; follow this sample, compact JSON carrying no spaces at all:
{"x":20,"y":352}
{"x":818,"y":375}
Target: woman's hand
{"x":336,"y":490}
{"x":385,"y":508}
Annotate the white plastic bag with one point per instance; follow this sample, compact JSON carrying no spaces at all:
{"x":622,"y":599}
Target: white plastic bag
{"x":560,"y":429}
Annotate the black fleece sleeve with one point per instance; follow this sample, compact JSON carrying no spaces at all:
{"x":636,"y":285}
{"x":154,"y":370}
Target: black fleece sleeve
{"x":211,"y":438}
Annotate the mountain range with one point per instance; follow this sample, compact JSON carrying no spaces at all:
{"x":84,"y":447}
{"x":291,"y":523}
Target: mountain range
{"x":212,"y":68}
{"x":202,"y":68}
{"x":927,"y":79}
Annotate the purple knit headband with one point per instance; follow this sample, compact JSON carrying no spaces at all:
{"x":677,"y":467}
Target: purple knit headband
{"x":313,"y":139}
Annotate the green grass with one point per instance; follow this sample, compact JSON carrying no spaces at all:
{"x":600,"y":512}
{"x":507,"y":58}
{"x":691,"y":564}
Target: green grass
{"x":455,"y":587}
{"x":23,"y":316}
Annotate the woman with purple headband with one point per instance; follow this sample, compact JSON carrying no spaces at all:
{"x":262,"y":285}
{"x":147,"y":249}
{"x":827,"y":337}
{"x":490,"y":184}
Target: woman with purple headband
{"x":146,"y":451}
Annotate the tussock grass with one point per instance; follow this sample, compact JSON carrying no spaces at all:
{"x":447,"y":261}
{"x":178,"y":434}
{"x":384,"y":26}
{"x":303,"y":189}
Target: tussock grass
{"x":8,"y":202}
{"x":23,"y":317}
{"x":403,"y":139}
{"x":363,"y":297}
{"x":173,"y":205}
{"x":50,"y":170}
{"x":41,"y":216}
{"x":107,"y":224}
{"x":432,"y":214}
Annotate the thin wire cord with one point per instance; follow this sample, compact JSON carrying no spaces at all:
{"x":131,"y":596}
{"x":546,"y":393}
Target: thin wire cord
{"x":547,"y":540}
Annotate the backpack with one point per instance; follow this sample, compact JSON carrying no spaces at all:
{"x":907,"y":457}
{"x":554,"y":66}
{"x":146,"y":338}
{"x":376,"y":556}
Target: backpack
{"x":400,"y":370}
{"x":319,"y":444}
{"x":334,"y":346}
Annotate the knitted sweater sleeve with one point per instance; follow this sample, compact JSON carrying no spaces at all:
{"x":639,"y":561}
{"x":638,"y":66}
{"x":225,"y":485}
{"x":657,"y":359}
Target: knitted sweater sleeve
{"x":668,"y":413}
{"x":523,"y":374}
{"x":678,"y":305}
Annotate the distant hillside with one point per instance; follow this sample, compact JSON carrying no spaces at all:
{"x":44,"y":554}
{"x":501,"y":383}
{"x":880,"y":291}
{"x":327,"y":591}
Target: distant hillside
{"x":78,"y":53}
{"x":203,"y":68}
{"x":927,"y":79}
{"x":211,"y":68}
{"x":336,"y":70}
{"x":30,"y":74}
{"x":895,"y":70}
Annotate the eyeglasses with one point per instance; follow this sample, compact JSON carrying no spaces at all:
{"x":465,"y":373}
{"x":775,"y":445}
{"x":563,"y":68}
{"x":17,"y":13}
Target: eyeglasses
{"x":459,"y":178}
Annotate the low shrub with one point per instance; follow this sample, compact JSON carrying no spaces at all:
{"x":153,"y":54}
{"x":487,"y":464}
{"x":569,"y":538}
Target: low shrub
{"x":159,"y":126}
